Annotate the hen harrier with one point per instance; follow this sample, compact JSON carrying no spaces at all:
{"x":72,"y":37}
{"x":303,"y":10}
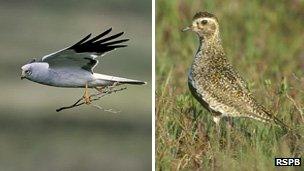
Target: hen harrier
{"x":73,"y":66}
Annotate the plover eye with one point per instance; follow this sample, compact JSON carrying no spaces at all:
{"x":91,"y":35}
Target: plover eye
{"x":204,"y":22}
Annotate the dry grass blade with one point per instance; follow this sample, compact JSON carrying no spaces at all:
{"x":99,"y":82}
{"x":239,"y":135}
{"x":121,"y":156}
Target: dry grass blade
{"x":94,"y":97}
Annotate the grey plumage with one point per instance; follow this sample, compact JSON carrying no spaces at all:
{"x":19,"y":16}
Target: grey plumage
{"x":73,"y":66}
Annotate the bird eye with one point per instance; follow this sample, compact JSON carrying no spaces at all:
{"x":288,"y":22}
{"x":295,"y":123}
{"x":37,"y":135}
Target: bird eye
{"x":28,"y":72}
{"x":204,"y":22}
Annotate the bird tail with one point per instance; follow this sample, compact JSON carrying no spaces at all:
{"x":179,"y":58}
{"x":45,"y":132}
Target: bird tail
{"x":277,"y":121}
{"x":284,"y":126}
{"x":118,"y":79}
{"x":281,"y":123}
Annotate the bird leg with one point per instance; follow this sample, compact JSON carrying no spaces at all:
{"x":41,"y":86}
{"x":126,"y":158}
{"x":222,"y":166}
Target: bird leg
{"x":230,"y":124}
{"x":86,"y":95}
{"x":92,"y":97}
{"x":217,"y":120}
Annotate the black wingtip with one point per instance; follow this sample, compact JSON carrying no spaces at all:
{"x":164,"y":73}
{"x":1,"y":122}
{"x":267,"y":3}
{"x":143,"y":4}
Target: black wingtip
{"x":116,"y":42}
{"x":121,"y":33}
{"x":100,"y":43}
{"x":81,"y":41}
{"x":100,"y":35}
{"x":85,"y":38}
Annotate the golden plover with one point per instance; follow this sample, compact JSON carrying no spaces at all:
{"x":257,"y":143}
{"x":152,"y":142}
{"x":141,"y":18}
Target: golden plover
{"x":214,"y":82}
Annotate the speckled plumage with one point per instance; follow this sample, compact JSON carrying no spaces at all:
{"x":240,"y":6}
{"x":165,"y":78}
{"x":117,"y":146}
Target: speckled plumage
{"x":214,"y":82}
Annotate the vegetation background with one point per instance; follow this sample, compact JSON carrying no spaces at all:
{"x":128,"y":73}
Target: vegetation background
{"x":35,"y":137}
{"x":264,"y":40}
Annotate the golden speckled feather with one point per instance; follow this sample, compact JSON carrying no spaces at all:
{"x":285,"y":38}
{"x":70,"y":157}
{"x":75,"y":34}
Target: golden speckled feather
{"x":214,"y":82}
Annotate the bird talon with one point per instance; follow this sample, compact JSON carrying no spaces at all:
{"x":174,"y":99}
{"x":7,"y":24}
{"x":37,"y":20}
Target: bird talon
{"x":87,"y":100}
{"x":86,"y":97}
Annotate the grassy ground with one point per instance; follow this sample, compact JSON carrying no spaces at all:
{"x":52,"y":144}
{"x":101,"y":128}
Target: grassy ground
{"x":265,"y":41}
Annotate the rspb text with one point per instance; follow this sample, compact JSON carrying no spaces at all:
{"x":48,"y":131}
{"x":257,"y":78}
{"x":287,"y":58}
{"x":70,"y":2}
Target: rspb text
{"x":287,"y":161}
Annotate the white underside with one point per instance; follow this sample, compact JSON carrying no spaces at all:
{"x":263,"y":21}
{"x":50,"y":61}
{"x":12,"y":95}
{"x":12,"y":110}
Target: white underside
{"x":112,"y":78}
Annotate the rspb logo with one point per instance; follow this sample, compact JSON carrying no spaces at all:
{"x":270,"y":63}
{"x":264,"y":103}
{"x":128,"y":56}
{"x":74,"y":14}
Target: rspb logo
{"x":287,"y":162}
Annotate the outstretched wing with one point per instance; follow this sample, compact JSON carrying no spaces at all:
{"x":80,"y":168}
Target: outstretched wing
{"x":83,"y":54}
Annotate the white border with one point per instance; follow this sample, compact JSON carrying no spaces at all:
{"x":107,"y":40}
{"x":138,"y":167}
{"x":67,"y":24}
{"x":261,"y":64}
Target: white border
{"x":153,"y":85}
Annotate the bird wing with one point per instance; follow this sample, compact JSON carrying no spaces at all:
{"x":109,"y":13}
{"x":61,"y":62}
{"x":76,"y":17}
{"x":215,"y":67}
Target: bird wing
{"x":230,"y":89}
{"x":83,"y":54}
{"x":234,"y":76}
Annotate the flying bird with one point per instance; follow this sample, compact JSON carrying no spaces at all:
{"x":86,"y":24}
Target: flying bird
{"x":73,"y":67}
{"x":214,"y":82}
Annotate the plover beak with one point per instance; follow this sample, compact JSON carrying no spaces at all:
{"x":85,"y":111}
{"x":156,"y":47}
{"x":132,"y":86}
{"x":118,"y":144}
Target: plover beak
{"x":187,"y":28}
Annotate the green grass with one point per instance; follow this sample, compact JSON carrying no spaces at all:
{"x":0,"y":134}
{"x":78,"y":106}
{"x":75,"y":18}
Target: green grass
{"x":265,"y":42}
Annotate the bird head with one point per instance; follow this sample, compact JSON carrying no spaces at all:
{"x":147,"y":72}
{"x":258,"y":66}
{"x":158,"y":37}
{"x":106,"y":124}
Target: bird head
{"x":26,"y":71}
{"x":33,"y":70}
{"x":204,"y":24}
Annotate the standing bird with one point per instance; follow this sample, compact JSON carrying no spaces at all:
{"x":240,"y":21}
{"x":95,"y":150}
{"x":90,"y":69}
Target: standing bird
{"x":214,"y":82}
{"x":73,"y":66}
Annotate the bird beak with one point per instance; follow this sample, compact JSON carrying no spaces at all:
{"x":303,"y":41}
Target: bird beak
{"x":22,"y":75}
{"x":187,"y":29}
